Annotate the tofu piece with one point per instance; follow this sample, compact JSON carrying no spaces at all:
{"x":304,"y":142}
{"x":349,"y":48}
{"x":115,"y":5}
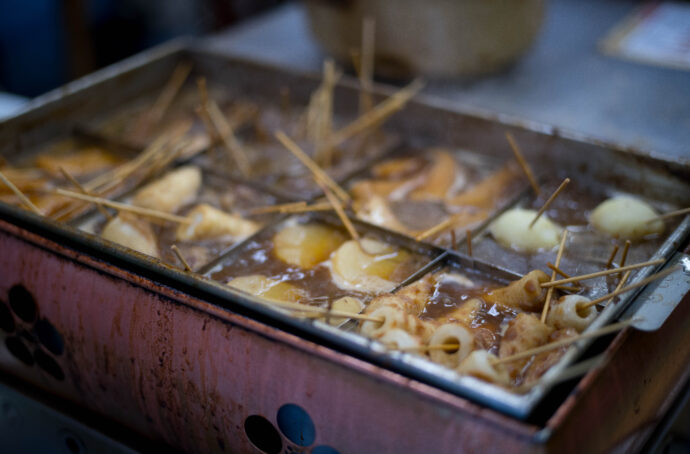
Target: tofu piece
{"x":512,"y":230}
{"x":525,"y":294}
{"x":132,"y":232}
{"x":171,"y":192}
{"x":209,"y":223}
{"x":626,"y":217}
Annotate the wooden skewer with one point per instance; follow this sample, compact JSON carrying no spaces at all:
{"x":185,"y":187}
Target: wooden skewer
{"x":202,"y":110}
{"x":612,"y":256}
{"x":670,"y":214}
{"x":549,"y":292}
{"x":549,"y":201}
{"x":172,"y":87}
{"x":323,"y":206}
{"x":523,"y":163}
{"x":624,"y":254}
{"x":124,"y":207}
{"x":552,"y":267}
{"x":468,"y":235}
{"x":312,"y":166}
{"x":563,"y":342}
{"x":228,"y":139}
{"x":181,"y":258}
{"x":620,"y":285}
{"x":618,"y":291}
{"x":602,"y":273}
{"x":427,"y":348}
{"x":81,"y":189}
{"x":435,"y":230}
{"x":377,"y":114}
{"x":454,"y":241}
{"x":24,"y":199}
{"x":276,"y":208}
{"x":335,"y":203}
{"x":366,"y":72}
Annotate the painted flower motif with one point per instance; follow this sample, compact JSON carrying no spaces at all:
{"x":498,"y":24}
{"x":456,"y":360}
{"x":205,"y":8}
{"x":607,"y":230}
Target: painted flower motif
{"x":30,"y":339}
{"x":295,"y":433}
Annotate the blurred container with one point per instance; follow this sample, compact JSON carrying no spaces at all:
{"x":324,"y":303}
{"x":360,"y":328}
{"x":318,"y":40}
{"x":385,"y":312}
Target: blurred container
{"x":439,"y":38}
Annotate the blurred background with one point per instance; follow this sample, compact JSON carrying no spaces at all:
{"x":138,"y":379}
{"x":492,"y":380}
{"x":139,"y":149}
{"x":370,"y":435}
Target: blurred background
{"x":46,"y":43}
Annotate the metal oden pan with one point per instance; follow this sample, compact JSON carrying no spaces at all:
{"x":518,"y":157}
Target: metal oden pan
{"x":131,"y":326}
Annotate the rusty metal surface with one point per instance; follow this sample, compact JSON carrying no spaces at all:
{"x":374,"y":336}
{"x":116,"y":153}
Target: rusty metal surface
{"x":171,"y":366}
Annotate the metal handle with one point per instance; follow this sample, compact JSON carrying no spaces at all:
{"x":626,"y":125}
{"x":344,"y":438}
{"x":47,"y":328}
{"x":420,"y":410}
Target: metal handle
{"x":658,"y":300}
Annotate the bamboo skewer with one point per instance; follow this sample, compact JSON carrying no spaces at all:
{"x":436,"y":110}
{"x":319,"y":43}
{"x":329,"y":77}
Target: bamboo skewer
{"x":322,"y":206}
{"x":435,"y":230}
{"x":124,"y":207}
{"x":181,"y":258}
{"x":454,"y":241}
{"x":171,"y":89}
{"x":468,"y":235}
{"x":366,"y":72}
{"x":228,"y":139}
{"x":549,"y":201}
{"x":202,"y":110}
{"x":602,"y":273}
{"x":552,"y":267}
{"x":670,"y":214}
{"x":318,"y":173}
{"x":377,"y":114}
{"x":335,"y":203}
{"x":563,"y":342}
{"x":619,"y":291}
{"x":24,"y":199}
{"x":523,"y":163}
{"x":276,"y":208}
{"x":612,"y":256}
{"x":621,"y":283}
{"x":549,"y":292}
{"x":81,"y":188}
{"x":428,"y":348}
{"x":624,"y":254}
{"x":124,"y":171}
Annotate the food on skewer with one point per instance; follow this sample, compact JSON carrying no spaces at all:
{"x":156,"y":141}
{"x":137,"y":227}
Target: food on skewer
{"x":542,"y":362}
{"x":412,"y":194}
{"x":306,"y":245}
{"x":265,"y":287}
{"x":569,"y":312}
{"x":209,"y":208}
{"x":512,"y":230}
{"x":317,"y":258}
{"x":35,"y":178}
{"x":209,"y":222}
{"x":451,"y":333}
{"x":479,"y":364}
{"x":133,"y":232}
{"x":467,"y":324}
{"x":368,"y":265}
{"x":172,"y":191}
{"x":626,"y":217}
{"x":524,"y":332}
{"x":525,"y":293}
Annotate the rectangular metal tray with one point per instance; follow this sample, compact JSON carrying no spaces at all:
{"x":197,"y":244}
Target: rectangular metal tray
{"x":425,"y":121}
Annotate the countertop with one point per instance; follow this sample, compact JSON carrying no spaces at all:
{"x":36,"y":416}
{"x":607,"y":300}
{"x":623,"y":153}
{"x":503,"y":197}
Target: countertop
{"x":564,"y":81}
